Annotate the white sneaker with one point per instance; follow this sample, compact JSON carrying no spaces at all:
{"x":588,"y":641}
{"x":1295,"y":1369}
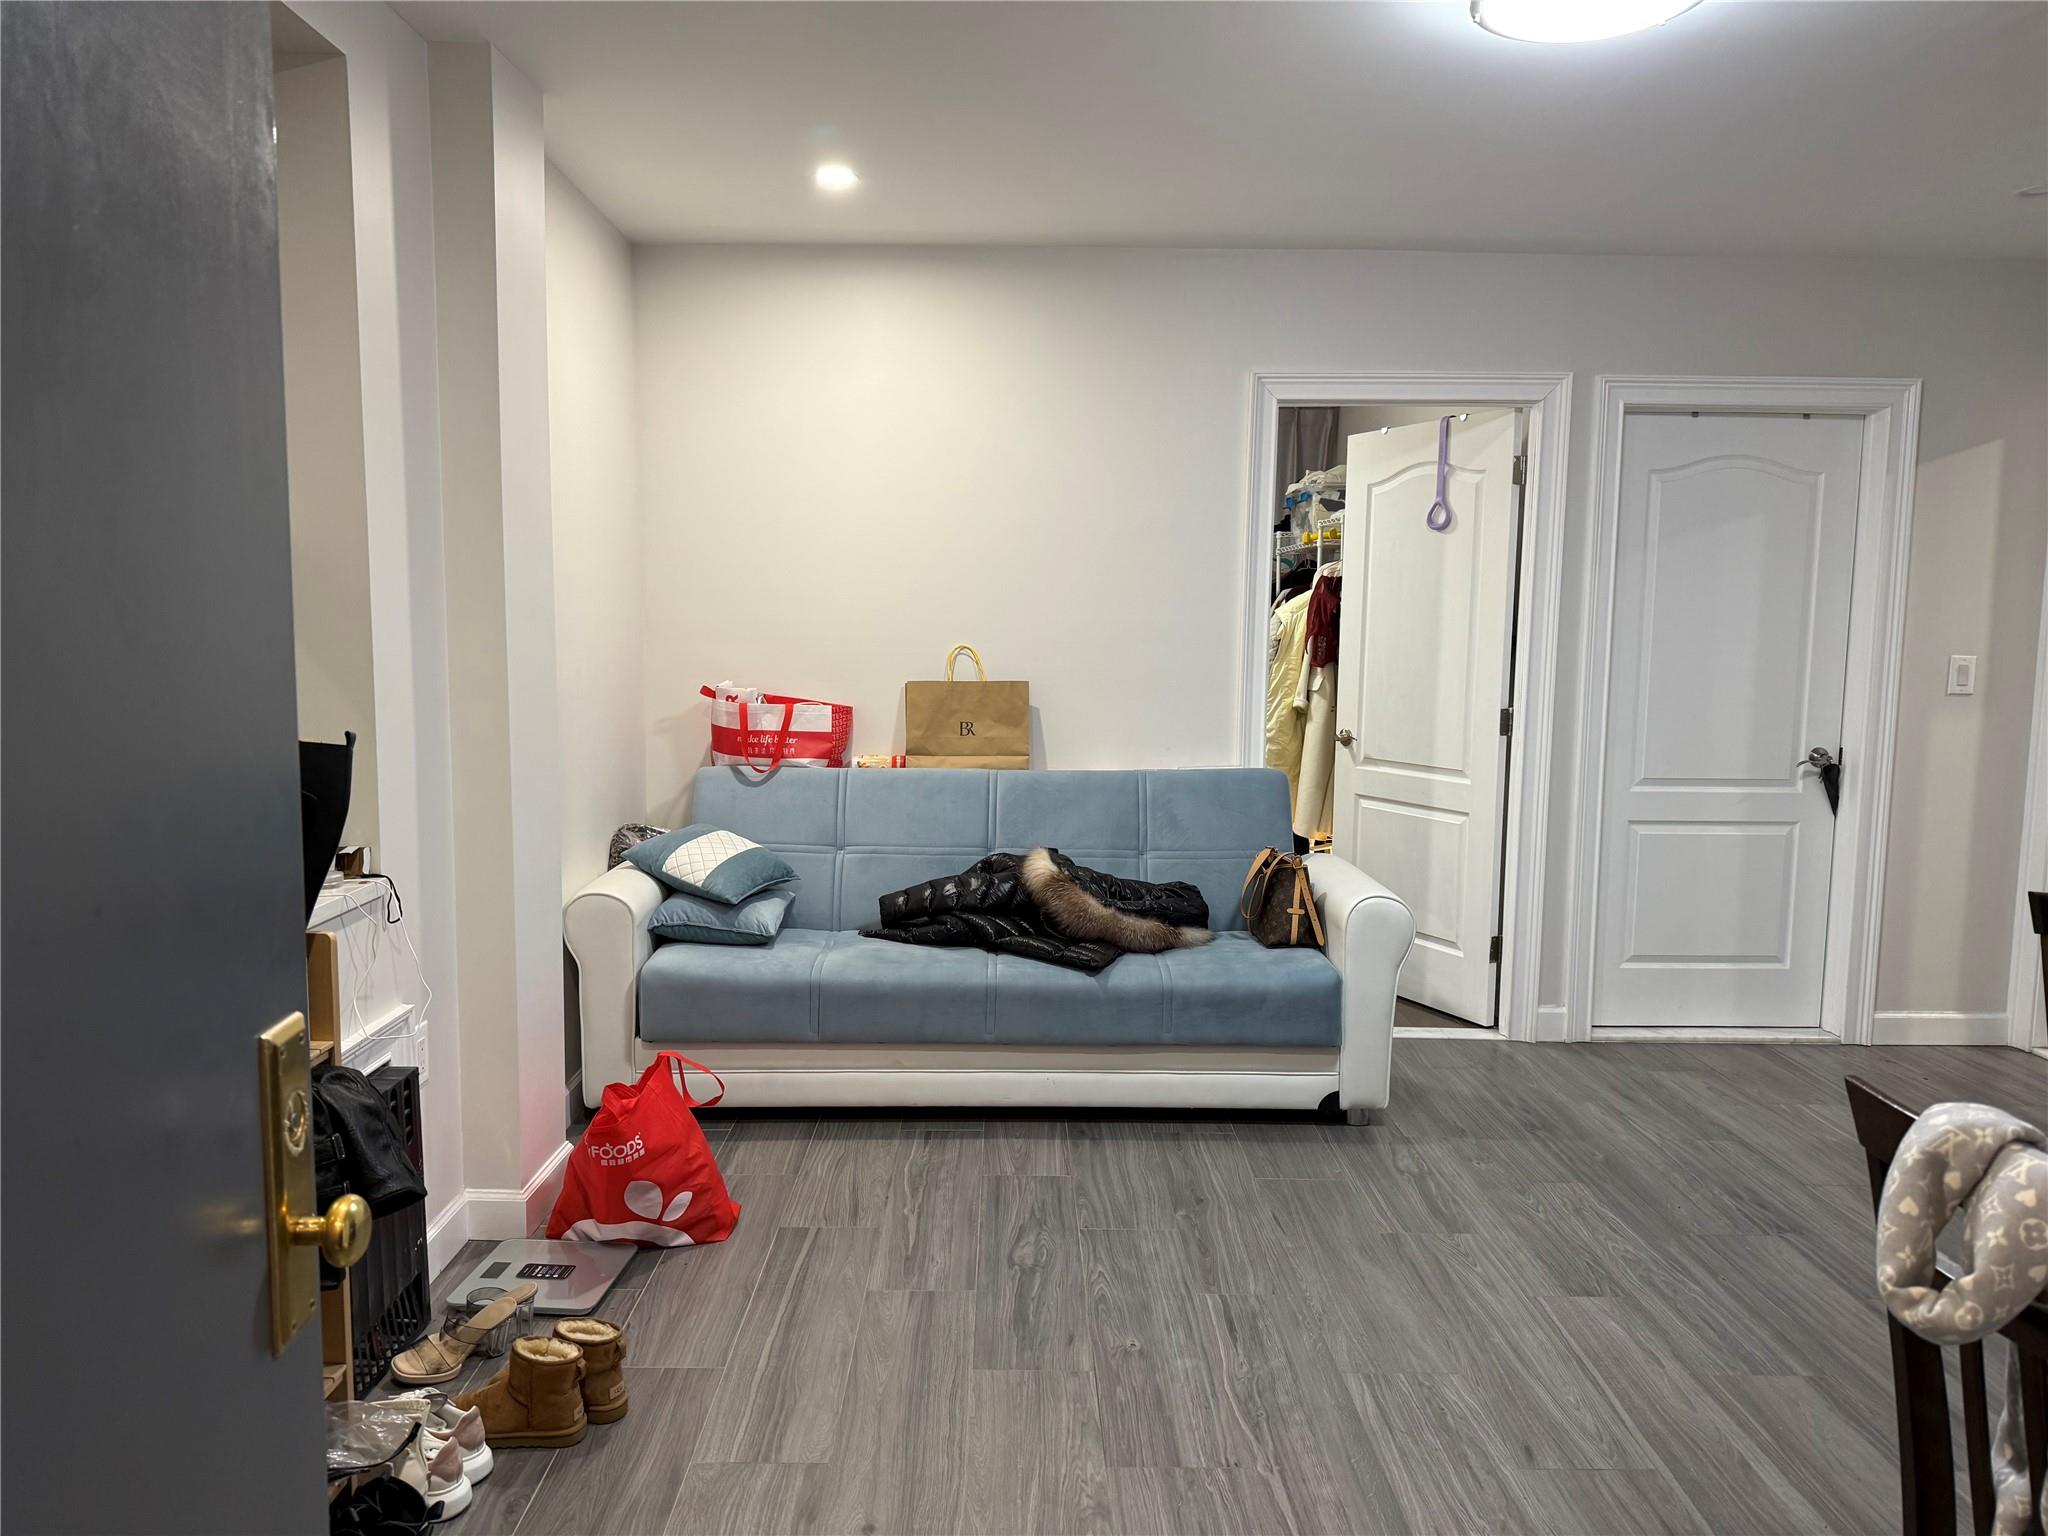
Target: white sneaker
{"x":465,"y":1426}
{"x":435,"y":1470}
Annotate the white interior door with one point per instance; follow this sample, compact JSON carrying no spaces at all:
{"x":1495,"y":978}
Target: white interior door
{"x":1733,"y":564}
{"x":1422,"y":675}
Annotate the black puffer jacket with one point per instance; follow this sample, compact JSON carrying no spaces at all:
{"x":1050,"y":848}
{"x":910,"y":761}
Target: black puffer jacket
{"x":1044,"y":906}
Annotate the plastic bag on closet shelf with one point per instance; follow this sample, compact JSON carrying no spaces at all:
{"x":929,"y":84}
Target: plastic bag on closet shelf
{"x":766,"y":731}
{"x":643,"y":1172}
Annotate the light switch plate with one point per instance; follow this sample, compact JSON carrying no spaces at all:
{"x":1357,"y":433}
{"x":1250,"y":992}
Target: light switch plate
{"x":1962,"y":674}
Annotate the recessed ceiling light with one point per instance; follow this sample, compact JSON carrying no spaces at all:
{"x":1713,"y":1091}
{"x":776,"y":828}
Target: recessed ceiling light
{"x":835,"y":176}
{"x":1573,"y":21}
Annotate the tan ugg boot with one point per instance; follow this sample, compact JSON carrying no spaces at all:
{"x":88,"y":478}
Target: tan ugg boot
{"x":604,"y":1365}
{"x":537,"y":1399}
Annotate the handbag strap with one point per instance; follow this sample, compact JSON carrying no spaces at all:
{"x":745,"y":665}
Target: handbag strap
{"x":1249,"y":901}
{"x":1304,"y":900}
{"x":676,"y":1062}
{"x":972,"y":655}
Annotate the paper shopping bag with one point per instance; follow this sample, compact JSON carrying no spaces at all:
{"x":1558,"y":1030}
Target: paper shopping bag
{"x":967,"y":725}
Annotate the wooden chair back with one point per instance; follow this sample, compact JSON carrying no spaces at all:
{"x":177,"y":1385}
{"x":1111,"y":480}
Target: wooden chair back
{"x":1927,"y":1470}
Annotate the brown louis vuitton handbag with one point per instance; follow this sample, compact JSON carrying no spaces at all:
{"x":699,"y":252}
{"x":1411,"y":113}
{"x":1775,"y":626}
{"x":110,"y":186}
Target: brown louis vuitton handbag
{"x":1277,"y":904}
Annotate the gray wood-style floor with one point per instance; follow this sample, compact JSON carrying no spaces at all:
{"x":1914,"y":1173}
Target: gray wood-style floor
{"x":1606,"y":1289}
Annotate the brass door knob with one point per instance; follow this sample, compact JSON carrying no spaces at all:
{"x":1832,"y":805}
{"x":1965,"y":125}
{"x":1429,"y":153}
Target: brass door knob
{"x":343,"y":1233}
{"x":1345,"y":738}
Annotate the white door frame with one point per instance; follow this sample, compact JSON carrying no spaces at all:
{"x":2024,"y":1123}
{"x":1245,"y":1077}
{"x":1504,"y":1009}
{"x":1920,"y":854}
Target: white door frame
{"x":2024,"y":981}
{"x":1890,"y":409}
{"x":1547,"y":399}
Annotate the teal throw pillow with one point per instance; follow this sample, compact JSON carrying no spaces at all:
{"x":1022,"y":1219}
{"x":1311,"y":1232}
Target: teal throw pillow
{"x":708,"y":862}
{"x":693,"y":920}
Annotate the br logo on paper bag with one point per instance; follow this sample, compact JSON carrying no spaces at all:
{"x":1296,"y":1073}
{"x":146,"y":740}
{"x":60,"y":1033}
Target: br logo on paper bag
{"x":966,"y":727}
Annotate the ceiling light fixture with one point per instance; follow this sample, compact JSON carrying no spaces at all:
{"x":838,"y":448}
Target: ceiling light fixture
{"x":833,"y":176}
{"x":1573,"y":21}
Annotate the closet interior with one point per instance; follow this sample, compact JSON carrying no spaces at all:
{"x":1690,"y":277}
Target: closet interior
{"x":1409,"y":510}
{"x":1305,"y":596}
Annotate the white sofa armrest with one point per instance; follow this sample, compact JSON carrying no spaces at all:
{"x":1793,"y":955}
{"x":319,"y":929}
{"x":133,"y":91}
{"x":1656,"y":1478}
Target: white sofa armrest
{"x":1367,"y":930}
{"x":605,"y":925}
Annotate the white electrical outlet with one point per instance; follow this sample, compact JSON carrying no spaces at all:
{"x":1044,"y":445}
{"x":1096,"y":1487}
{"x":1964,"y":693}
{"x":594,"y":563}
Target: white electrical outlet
{"x":1962,"y":674}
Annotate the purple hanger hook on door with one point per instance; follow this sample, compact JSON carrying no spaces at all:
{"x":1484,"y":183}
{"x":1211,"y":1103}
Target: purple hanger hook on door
{"x":1440,"y":509}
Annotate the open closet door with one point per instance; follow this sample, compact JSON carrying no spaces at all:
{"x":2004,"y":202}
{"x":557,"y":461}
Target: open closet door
{"x":1422,"y":676}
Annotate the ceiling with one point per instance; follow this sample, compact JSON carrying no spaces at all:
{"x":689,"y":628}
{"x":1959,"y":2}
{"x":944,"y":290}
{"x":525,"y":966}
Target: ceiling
{"x":1817,"y":126}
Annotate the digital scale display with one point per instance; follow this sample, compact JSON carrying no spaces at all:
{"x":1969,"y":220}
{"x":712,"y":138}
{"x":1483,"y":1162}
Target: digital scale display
{"x":568,"y":1277}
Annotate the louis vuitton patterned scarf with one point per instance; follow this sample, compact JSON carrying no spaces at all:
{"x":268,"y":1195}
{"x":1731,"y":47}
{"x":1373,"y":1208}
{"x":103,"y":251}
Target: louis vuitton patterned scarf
{"x":1994,"y":1169}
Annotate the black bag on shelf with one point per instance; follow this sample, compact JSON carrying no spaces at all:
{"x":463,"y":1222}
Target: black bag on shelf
{"x":359,"y":1147}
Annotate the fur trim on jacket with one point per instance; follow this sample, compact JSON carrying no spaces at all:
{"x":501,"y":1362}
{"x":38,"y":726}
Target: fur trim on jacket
{"x":1077,"y":914}
{"x":1044,"y":906}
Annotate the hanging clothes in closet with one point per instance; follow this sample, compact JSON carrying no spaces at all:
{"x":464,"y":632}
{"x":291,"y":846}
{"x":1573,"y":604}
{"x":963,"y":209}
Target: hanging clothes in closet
{"x":1308,"y":532}
{"x":1315,"y":703}
{"x":1288,"y":648}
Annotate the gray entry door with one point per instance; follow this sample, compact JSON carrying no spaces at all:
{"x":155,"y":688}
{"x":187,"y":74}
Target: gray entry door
{"x":150,"y":848}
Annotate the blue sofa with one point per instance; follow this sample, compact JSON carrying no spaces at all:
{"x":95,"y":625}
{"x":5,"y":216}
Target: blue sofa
{"x":825,"y":1016}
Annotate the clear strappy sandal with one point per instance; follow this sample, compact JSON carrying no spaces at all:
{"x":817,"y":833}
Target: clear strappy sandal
{"x":441,"y":1356}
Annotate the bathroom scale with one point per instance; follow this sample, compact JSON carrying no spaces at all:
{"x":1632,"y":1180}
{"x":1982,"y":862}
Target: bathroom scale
{"x":568,"y":1278}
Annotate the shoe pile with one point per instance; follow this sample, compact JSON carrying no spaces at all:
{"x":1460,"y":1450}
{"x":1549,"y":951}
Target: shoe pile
{"x":448,"y":1457}
{"x":555,"y":1386}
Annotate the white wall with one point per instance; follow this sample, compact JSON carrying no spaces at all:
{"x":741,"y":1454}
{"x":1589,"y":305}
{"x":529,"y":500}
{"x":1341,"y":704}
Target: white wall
{"x":595,"y":473}
{"x":593,"y":449}
{"x":394,"y":247}
{"x":853,"y":457}
{"x":490,"y":258}
{"x":323,"y":418}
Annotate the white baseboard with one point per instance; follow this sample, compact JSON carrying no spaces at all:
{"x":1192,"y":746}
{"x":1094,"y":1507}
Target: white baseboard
{"x":501,"y":1213}
{"x":1708,"y":1034}
{"x":1550,"y":1022}
{"x":446,"y":1234}
{"x":1938,"y":1029}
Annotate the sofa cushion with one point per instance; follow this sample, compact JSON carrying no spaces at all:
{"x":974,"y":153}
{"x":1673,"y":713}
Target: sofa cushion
{"x":721,"y":992}
{"x":853,"y":835}
{"x":826,"y":985}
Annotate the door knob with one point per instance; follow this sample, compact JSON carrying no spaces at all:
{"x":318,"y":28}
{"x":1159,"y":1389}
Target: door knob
{"x":1822,"y":762}
{"x":343,"y":1234}
{"x":1345,"y":738}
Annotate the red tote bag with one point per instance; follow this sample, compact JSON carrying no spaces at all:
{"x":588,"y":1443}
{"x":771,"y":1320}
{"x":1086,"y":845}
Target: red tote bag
{"x":643,"y":1172}
{"x":764,"y":731}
